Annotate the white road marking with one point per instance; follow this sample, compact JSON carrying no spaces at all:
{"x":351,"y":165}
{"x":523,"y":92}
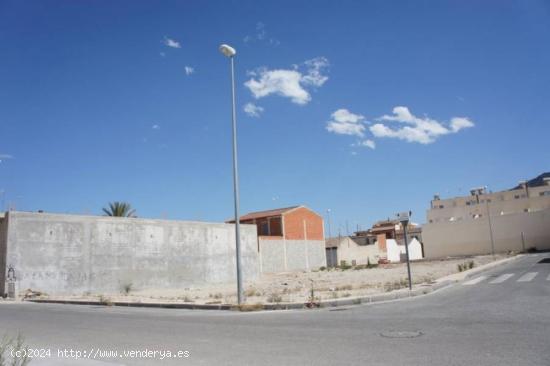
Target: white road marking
{"x":502,"y":278}
{"x":528,"y":277}
{"x":548,"y":278}
{"x":475,"y":281}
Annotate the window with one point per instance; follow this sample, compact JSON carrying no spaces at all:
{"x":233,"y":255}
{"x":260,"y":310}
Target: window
{"x":264,"y":228}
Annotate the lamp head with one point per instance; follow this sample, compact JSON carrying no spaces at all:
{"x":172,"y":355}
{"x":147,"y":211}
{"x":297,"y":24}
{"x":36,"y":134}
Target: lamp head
{"x":227,"y":50}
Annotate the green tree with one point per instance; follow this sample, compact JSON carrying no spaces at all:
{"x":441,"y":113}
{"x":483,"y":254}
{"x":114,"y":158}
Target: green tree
{"x":119,"y":209}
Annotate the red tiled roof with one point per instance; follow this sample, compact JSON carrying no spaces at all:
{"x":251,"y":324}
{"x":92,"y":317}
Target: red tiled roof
{"x":263,"y":214}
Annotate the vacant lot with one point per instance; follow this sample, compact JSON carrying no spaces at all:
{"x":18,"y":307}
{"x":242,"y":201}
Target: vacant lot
{"x":299,"y":286}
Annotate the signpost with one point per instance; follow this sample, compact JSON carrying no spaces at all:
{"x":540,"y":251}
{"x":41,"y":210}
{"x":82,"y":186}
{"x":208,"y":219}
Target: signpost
{"x":404,"y":217}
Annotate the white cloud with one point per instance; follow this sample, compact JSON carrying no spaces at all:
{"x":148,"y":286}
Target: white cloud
{"x":5,"y":157}
{"x":155,"y":127}
{"x":344,"y":122}
{"x":253,"y":110}
{"x":314,"y":74}
{"x":171,"y":43}
{"x":369,"y":143}
{"x":261,"y":35}
{"x":289,"y":83}
{"x":189,"y":70}
{"x":458,"y":123}
{"x":422,"y":130}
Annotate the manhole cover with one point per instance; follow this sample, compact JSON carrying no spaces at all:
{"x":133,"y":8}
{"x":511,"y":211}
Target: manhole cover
{"x":545,"y":260}
{"x":401,"y":334}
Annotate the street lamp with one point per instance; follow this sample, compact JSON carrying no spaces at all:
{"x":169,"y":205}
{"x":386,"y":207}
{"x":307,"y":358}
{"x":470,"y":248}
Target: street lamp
{"x":230,"y":52}
{"x":328,"y":219}
{"x":404,"y":218}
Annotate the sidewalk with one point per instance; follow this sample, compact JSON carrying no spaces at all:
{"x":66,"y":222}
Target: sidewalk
{"x":417,"y":290}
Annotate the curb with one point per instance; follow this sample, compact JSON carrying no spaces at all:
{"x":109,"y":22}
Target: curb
{"x":379,"y":297}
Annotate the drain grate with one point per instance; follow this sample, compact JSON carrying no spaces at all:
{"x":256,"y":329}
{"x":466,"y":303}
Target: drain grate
{"x":401,"y":334}
{"x":545,"y":260}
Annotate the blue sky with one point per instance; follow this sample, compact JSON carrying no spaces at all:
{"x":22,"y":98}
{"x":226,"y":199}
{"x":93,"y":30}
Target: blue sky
{"x":364,"y":107}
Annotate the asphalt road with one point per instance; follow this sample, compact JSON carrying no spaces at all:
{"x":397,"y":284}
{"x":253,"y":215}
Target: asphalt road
{"x":500,"y":317}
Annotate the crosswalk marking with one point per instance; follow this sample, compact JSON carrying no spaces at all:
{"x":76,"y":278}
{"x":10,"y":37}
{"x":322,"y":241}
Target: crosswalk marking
{"x":475,"y":281}
{"x":527,"y":277}
{"x":502,"y":278}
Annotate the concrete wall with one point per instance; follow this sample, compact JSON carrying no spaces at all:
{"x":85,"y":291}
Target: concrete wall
{"x":472,"y":236}
{"x":291,"y":255}
{"x":3,"y":246}
{"x":64,"y":254}
{"x":349,"y":251}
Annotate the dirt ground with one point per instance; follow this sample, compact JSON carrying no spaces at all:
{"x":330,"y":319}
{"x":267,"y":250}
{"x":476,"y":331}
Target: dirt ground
{"x":300,"y":286}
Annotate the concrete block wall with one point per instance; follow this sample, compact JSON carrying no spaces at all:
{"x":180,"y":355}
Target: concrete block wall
{"x":70,"y":254}
{"x":3,"y":246}
{"x":472,"y":236}
{"x":291,"y":255}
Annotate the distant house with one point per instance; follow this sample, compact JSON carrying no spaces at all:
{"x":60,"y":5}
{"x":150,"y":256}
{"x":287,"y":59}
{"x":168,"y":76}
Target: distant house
{"x":388,"y":235}
{"x":351,"y":250}
{"x":289,"y":239}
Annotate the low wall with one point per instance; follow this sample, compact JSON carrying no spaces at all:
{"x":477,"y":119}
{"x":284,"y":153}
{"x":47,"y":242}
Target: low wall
{"x":69,"y":254}
{"x":473,"y":236}
{"x":291,"y":255}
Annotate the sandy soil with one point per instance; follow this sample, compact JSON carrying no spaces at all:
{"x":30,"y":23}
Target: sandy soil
{"x":297,"y":286}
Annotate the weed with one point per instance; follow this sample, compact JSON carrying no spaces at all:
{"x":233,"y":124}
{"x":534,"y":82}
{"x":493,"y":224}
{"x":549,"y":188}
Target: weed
{"x":104,"y":300}
{"x":465,"y":266}
{"x":274,"y":297}
{"x":343,"y":288}
{"x":396,"y":285}
{"x":9,"y":346}
{"x":127,"y":288}
{"x":250,"y":292}
{"x":186,"y":298}
{"x":250,"y":307}
{"x":322,"y":268}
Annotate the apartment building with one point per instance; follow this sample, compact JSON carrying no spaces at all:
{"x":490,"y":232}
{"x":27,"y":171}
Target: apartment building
{"x":486,"y":222}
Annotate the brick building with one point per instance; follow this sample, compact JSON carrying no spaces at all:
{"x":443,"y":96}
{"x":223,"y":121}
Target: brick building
{"x":290,"y":238}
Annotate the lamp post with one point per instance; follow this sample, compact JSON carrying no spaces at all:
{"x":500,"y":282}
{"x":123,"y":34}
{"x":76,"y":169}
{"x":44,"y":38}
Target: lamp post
{"x":230,"y":52}
{"x":328,"y":219}
{"x":404,"y":217}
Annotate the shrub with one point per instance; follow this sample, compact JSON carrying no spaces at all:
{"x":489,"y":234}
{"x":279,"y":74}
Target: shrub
{"x":322,"y":268}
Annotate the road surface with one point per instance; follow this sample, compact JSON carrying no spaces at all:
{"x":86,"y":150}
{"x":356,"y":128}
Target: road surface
{"x":500,"y":317}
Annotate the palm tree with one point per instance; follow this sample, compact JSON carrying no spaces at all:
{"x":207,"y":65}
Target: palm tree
{"x":119,"y":209}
